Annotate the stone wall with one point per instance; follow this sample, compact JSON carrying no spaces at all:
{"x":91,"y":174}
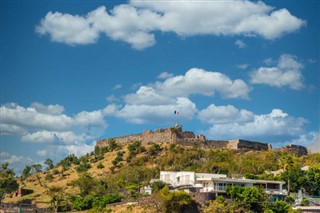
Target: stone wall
{"x":177,"y":136}
{"x":293,"y":149}
{"x":253,"y":145}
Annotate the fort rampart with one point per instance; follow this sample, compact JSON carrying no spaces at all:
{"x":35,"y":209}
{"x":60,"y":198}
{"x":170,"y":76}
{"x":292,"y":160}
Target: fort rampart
{"x":175,"y":135}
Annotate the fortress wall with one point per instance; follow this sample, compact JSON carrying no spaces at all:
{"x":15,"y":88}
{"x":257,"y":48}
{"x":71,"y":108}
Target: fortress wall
{"x":158,"y":136}
{"x":233,"y":144}
{"x":124,"y":139}
{"x":188,"y":135}
{"x":102,"y":143}
{"x":252,"y":145}
{"x":176,"y":135}
{"x":293,"y":149}
{"x":217,"y":144}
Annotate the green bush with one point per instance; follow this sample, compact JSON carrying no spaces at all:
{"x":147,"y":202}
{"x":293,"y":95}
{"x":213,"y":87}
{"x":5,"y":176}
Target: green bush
{"x":83,"y":167}
{"x":100,"y":166}
{"x":55,"y":171}
{"x":289,"y":199}
{"x":101,"y":202}
{"x":82,"y":203}
{"x":154,"y":149}
{"x":49,"y":176}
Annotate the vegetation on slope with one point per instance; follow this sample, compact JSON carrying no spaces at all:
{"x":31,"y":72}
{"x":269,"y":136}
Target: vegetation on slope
{"x":118,"y":172}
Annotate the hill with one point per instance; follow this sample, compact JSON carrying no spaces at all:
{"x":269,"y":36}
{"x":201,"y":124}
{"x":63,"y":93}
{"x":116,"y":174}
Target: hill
{"x":123,"y":169}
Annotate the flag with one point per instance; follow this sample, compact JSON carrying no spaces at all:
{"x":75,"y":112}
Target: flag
{"x":176,"y":112}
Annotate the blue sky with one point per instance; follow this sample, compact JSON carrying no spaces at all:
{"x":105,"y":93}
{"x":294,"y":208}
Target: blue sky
{"x":74,"y":72}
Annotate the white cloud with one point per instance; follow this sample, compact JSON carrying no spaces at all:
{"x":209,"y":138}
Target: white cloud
{"x":68,"y":29}
{"x":134,"y":23}
{"x":148,"y":95}
{"x":310,"y":140}
{"x":112,"y":98}
{"x":59,"y":152}
{"x":314,"y":146}
{"x":165,"y":75}
{"x":225,"y":114}
{"x":286,"y":73}
{"x":47,"y":124}
{"x":143,"y":113}
{"x":117,"y":86}
{"x":276,"y":123}
{"x":55,"y":137}
{"x":243,"y":66}
{"x":157,"y":101}
{"x":199,"y":81}
{"x":240,"y":44}
{"x":17,"y":163}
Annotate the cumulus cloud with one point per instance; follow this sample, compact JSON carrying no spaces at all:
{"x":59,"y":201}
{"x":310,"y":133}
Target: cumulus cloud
{"x":157,"y":101}
{"x":136,"y":22}
{"x":240,"y":44}
{"x":314,"y":137}
{"x":17,"y":163}
{"x":117,"y":86}
{"x":287,"y":72}
{"x":144,"y":113}
{"x":309,"y":139}
{"x":225,"y":114}
{"x":47,"y":124}
{"x":44,"y":136}
{"x":199,"y":81}
{"x":276,"y":123}
{"x":165,"y":75}
{"x":60,"y":151}
{"x":242,"y":66}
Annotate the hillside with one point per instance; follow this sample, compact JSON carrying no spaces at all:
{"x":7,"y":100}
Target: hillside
{"x":125,"y":169}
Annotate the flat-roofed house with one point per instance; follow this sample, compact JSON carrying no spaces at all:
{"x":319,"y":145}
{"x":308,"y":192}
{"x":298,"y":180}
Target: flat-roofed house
{"x":216,"y":183}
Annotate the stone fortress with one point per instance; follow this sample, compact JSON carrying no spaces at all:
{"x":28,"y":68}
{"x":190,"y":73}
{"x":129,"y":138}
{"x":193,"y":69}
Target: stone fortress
{"x":175,"y":135}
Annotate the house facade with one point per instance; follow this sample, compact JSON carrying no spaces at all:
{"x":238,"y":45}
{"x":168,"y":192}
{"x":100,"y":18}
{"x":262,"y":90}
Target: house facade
{"x":216,"y":183}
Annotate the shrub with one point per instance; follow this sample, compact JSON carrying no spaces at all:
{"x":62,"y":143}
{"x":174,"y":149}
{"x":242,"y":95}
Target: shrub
{"x":83,"y":167}
{"x":154,"y":149}
{"x":289,"y":199}
{"x":101,"y":202}
{"x":55,"y":171}
{"x":82,"y":203}
{"x":49,"y":176}
{"x":100,"y":166}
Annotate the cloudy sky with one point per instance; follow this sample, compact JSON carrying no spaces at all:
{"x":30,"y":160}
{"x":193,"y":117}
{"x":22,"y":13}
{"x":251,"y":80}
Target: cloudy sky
{"x":76,"y":71}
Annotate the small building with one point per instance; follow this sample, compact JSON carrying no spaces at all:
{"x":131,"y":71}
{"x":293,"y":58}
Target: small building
{"x":216,"y":183}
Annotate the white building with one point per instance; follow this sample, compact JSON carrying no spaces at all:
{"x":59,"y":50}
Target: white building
{"x":216,"y":183}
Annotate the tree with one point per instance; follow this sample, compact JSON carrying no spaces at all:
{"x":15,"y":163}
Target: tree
{"x":87,"y":185}
{"x":312,"y":181}
{"x":26,"y":172}
{"x":294,"y":178}
{"x":173,"y":201}
{"x":8,"y":183}
{"x":36,"y":168}
{"x":219,"y":205}
{"x":157,"y":186}
{"x":250,"y":198}
{"x":57,"y":197}
{"x":49,"y":163}
{"x":279,"y":207}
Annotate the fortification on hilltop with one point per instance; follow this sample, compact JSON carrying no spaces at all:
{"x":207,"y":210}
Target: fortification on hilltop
{"x":175,"y":135}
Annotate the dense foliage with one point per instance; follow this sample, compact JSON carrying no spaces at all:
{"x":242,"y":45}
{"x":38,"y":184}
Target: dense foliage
{"x":8,"y":183}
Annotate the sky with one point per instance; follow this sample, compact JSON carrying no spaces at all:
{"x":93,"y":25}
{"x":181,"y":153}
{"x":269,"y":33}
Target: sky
{"x":73,"y":72}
